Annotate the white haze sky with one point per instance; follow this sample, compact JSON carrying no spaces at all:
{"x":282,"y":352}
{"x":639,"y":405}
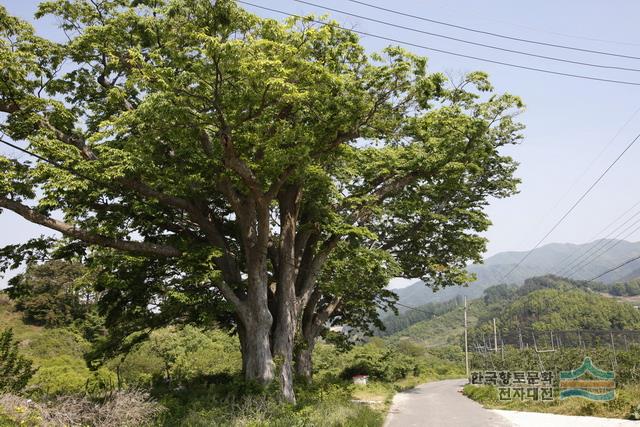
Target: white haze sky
{"x":569,"y":121}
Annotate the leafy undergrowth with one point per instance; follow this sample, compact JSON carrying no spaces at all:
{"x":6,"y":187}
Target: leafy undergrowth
{"x":626,"y":404}
{"x":192,"y":378}
{"x":331,"y":400}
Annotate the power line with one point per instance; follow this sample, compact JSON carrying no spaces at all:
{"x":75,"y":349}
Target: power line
{"x":562,"y":262}
{"x":577,"y":261}
{"x":614,"y":268}
{"x":489,"y":46}
{"x":591,"y":187}
{"x":475,"y":30}
{"x":573,"y":184}
{"x":414,"y":308}
{"x":608,"y":246}
{"x":579,"y":178}
{"x":477,"y":58}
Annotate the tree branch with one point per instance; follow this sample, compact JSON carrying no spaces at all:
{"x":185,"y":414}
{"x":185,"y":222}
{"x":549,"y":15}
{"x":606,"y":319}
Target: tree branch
{"x":31,"y":215}
{"x":310,"y":276}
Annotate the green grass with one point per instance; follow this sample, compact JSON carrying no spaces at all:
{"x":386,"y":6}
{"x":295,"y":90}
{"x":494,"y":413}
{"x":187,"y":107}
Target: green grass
{"x":38,"y":343}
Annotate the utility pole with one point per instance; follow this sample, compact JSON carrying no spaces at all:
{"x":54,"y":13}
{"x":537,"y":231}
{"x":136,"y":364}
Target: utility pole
{"x":466,"y":347}
{"x":495,"y":336}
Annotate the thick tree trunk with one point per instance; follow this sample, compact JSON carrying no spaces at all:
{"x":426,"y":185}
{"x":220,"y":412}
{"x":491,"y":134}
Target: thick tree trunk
{"x":283,"y":346}
{"x":308,"y":335}
{"x":304,"y":361}
{"x":286,"y":320}
{"x":311,"y":327}
{"x":257,"y":360}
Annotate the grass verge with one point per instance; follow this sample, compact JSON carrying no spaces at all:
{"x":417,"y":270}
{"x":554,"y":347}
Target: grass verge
{"x":626,"y":405}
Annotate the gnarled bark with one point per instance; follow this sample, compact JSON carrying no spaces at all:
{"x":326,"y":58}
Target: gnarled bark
{"x":257,"y":360}
{"x":287,"y":312}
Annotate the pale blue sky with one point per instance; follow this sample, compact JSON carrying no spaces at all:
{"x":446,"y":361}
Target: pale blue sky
{"x":568,"y":121}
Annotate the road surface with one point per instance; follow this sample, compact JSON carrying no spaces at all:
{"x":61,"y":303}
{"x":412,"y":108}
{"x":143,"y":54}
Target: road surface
{"x":440,"y":404}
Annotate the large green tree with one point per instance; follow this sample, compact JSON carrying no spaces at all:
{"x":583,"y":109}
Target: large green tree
{"x":233,"y":154}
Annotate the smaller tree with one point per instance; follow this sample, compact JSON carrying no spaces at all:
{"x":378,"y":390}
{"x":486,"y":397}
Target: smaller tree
{"x":633,"y":288}
{"x":351,"y":294}
{"x":15,"y":370}
{"x":55,"y":293}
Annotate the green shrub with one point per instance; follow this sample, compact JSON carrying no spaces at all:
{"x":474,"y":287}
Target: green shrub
{"x":61,"y":375}
{"x":384,"y":364}
{"x":101,"y":383}
{"x":15,"y":369}
{"x":482,"y":394}
{"x":180,"y":357}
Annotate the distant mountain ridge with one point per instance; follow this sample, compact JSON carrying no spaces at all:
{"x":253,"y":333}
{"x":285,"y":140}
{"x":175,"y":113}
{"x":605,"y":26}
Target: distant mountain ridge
{"x":542,"y":261}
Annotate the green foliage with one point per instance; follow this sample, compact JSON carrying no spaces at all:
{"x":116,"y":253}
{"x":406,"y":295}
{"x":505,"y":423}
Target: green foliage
{"x":180,"y":356}
{"x":549,"y":303}
{"x":380,"y":364}
{"x":55,"y":293}
{"x":61,"y":376}
{"x":359,"y":277}
{"x":485,"y":394}
{"x":441,"y":330}
{"x":627,"y":289}
{"x":15,"y":369}
{"x":554,"y":309}
{"x":101,"y":383}
{"x":321,"y":405}
{"x":49,"y":343}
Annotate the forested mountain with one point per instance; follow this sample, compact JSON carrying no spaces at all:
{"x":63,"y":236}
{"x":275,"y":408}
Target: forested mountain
{"x":542,"y":303}
{"x":544,"y":260}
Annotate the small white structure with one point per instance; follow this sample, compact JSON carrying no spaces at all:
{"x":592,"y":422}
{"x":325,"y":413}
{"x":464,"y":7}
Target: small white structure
{"x":360,"y":379}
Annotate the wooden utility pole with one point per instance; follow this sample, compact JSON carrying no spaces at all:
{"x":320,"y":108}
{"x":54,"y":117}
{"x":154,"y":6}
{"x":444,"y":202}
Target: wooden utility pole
{"x":495,"y":336}
{"x":466,"y":346}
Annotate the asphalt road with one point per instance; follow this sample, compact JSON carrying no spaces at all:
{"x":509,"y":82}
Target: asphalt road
{"x":440,"y":404}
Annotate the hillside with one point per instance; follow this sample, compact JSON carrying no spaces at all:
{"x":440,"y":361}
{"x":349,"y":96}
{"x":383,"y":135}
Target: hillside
{"x":38,"y":343}
{"x":444,"y":329}
{"x":542,"y":261}
{"x":542,"y":303}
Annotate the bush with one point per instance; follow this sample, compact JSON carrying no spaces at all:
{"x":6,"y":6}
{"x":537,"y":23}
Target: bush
{"x":180,"y":357}
{"x":101,"y":383}
{"x":62,"y":375}
{"x":384,"y":364}
{"x":15,"y":370}
{"x":482,"y":394}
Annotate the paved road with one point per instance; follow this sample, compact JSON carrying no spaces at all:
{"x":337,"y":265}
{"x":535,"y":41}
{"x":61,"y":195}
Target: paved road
{"x":440,"y":404}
